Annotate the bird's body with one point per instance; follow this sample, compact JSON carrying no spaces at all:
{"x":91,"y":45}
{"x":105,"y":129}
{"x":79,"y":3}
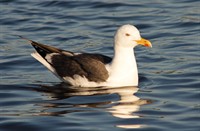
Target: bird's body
{"x":93,"y":70}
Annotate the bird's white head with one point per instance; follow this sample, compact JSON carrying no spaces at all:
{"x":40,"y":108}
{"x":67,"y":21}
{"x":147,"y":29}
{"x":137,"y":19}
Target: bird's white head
{"x":129,"y":36}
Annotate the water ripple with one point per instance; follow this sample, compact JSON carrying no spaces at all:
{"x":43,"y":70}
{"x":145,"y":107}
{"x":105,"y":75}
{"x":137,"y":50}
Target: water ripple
{"x":167,"y":97}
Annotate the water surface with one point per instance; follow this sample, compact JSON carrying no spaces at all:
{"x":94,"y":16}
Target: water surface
{"x":168,"y":94}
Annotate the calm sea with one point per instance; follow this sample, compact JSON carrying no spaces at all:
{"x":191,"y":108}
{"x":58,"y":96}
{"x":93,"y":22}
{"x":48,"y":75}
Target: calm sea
{"x":168,"y":96}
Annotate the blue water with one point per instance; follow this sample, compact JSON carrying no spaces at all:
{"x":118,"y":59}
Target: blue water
{"x":168,"y":96}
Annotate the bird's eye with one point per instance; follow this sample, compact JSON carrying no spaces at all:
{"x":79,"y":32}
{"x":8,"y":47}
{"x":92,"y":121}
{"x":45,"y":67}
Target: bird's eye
{"x":127,"y":34}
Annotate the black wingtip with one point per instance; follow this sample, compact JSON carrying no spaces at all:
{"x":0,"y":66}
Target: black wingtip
{"x":25,"y":38}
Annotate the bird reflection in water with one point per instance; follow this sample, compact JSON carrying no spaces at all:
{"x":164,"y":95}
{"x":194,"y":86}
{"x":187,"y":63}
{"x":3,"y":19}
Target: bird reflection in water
{"x":123,"y":108}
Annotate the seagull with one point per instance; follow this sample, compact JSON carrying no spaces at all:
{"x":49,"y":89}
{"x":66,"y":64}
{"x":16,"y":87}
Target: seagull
{"x":95,"y":70}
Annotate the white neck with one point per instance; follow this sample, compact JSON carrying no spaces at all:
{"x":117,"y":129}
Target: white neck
{"x":123,"y":68}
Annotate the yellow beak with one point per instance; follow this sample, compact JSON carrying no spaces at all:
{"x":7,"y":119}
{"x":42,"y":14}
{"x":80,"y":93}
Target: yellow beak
{"x":144,"y":42}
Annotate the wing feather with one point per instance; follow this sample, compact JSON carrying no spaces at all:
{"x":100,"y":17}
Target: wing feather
{"x":68,"y":64}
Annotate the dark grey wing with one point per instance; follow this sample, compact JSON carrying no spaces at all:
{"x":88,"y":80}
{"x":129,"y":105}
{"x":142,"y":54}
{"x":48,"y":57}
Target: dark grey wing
{"x":91,"y":66}
{"x":68,"y":64}
{"x":94,"y":65}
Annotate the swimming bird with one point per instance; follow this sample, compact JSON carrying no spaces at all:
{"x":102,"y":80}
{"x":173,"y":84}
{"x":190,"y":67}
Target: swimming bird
{"x":94,"y":70}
